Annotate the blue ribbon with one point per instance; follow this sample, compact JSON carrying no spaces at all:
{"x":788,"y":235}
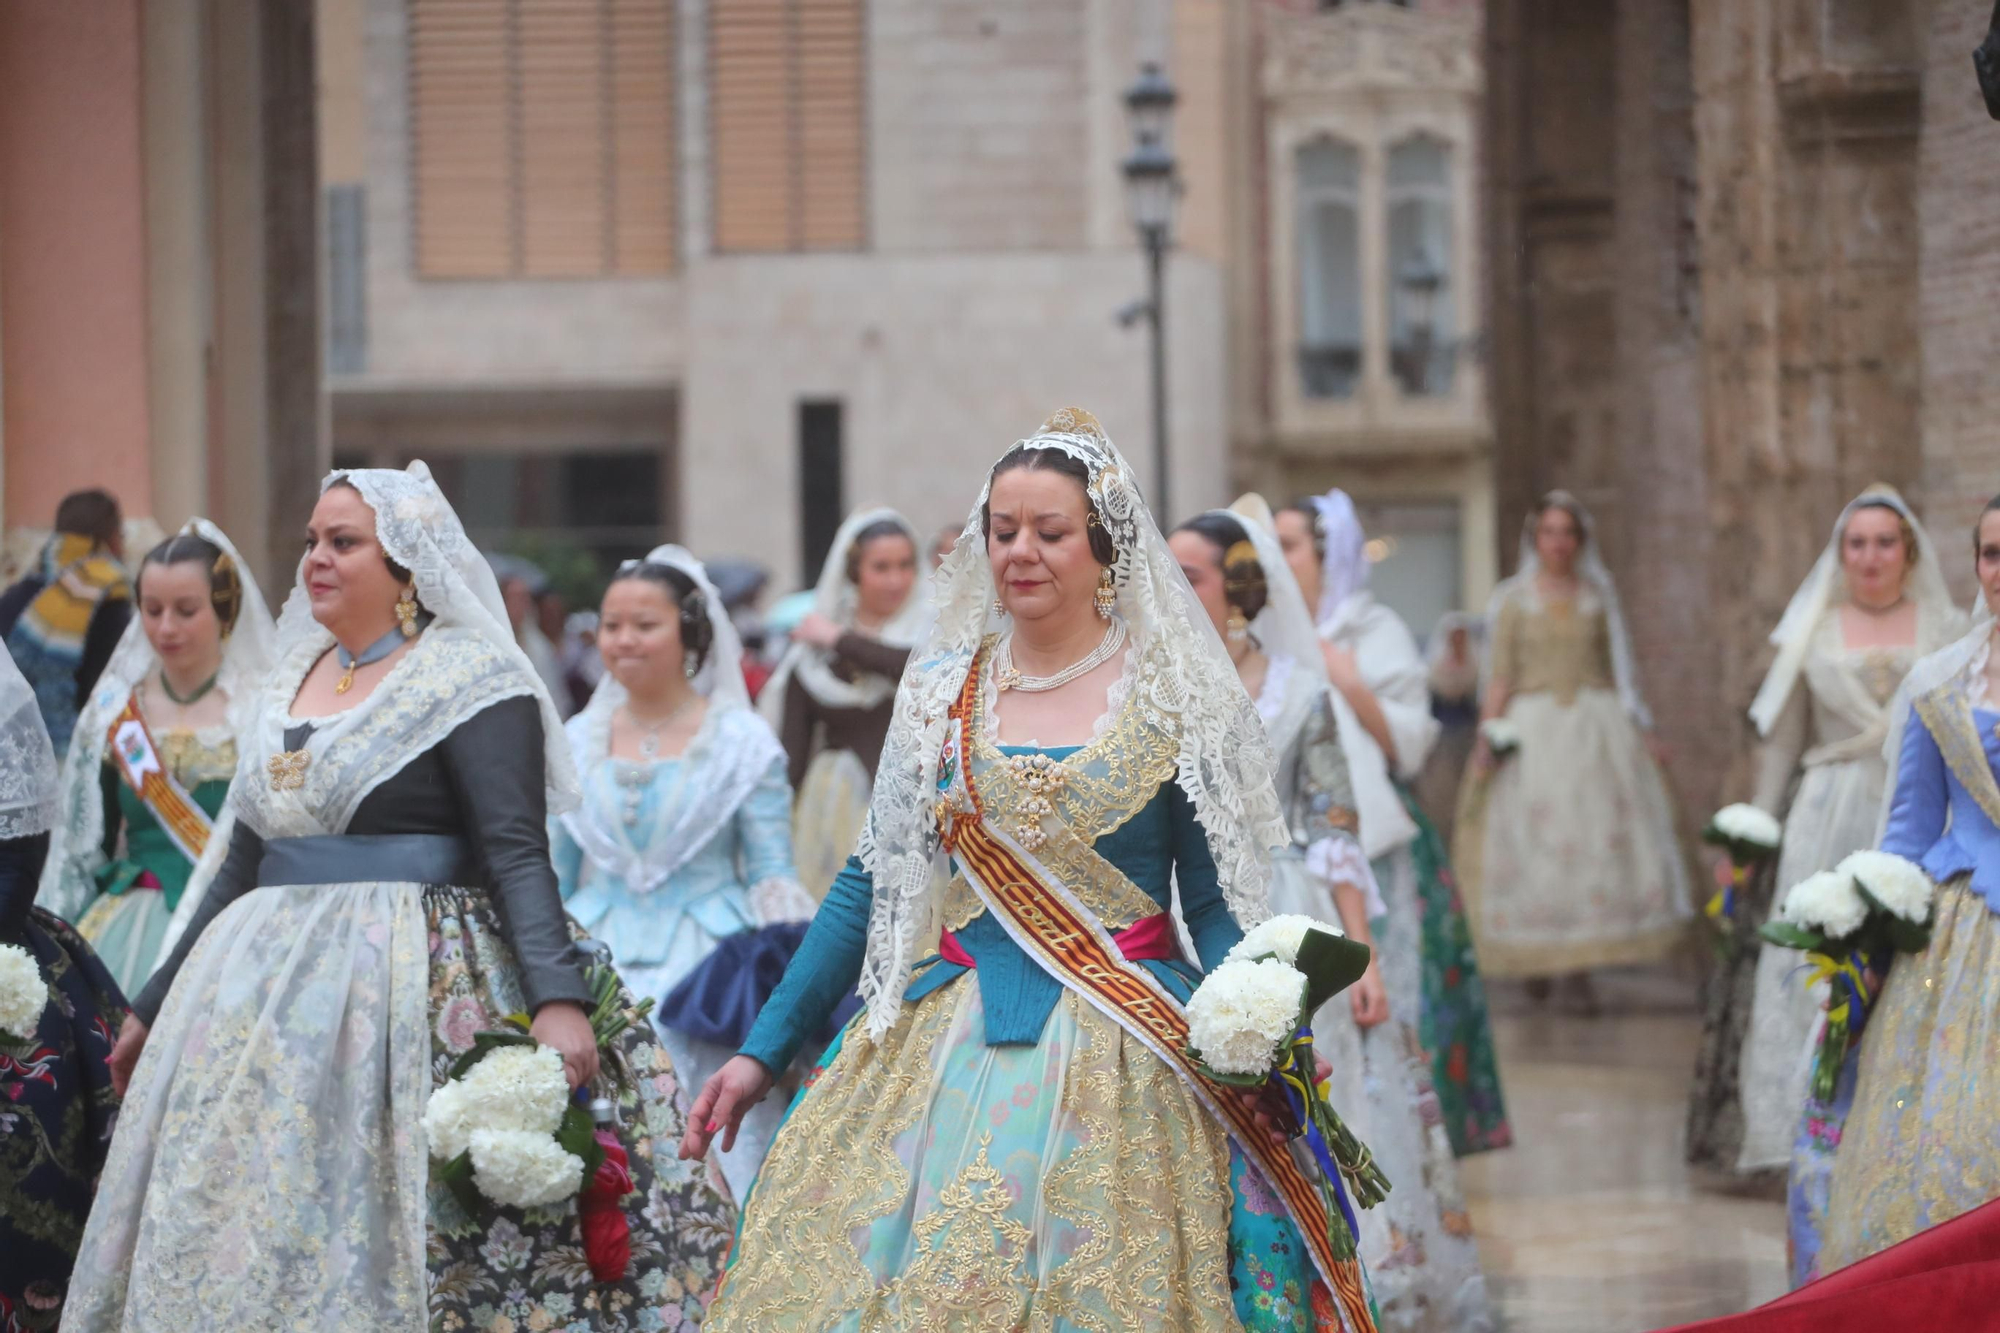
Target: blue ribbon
{"x":1296,"y":1077}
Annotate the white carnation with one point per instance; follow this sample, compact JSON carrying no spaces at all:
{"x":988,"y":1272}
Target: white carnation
{"x":512,"y":1088}
{"x":23,"y":993}
{"x":1501,"y":735}
{"x":1281,"y":935}
{"x":1826,"y":902}
{"x":1898,"y":884}
{"x":521,"y":1170}
{"x":1747,"y":824}
{"x":1242,"y":1011}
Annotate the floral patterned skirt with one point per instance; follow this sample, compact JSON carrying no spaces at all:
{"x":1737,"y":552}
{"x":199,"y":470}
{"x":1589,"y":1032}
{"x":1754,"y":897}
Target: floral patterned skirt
{"x":933,"y":1181}
{"x":56,"y":1108}
{"x":1918,"y":1145}
{"x":269,"y":1169}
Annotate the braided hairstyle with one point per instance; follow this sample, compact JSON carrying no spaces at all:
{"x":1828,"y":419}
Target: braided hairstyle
{"x":225,"y":583}
{"x":1243,"y":582}
{"x":697,"y":634}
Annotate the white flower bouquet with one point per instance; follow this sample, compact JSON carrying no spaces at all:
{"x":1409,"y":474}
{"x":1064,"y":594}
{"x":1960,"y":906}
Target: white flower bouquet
{"x":505,"y":1127}
{"x":1502,"y":737}
{"x":1747,"y":833}
{"x":1849,"y":920}
{"x":23,"y":994}
{"x":1250,"y":1026}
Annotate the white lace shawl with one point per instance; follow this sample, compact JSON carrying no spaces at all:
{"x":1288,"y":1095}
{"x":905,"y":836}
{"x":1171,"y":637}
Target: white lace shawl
{"x":729,"y":755}
{"x":1183,"y":680}
{"x":76,"y":849}
{"x":27,"y":759}
{"x":1826,"y":586}
{"x":834,"y":598}
{"x":419,"y":530}
{"x":1592,"y":571}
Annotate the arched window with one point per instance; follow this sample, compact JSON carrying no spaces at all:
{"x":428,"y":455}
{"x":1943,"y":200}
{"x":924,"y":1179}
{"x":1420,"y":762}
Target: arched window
{"x":1423,"y":309}
{"x":1329,"y":224}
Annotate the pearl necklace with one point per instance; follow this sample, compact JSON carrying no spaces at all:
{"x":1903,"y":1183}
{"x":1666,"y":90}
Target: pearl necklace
{"x":1008,"y":677}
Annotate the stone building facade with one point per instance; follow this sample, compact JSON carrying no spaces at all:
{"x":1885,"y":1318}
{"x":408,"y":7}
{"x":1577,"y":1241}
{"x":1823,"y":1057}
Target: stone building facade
{"x":1741,"y":266}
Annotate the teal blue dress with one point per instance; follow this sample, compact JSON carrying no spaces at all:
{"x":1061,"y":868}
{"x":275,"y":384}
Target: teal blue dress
{"x":1003,"y":1146}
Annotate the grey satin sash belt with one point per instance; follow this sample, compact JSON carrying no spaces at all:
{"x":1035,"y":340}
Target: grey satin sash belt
{"x":362,"y":858}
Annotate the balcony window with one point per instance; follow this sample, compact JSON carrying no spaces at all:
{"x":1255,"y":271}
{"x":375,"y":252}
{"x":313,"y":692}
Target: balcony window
{"x":1329,"y":190}
{"x":1423,"y":319}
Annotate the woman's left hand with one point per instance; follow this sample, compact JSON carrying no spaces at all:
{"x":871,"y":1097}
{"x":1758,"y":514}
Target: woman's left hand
{"x":1369,"y":998}
{"x":817,"y":631}
{"x":563,"y":1025}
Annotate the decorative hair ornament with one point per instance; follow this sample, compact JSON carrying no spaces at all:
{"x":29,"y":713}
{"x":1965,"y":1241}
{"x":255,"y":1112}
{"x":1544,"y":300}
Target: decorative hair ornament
{"x":225,"y":592}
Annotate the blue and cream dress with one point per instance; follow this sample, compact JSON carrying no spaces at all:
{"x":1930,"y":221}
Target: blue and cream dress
{"x":1006,"y":1157}
{"x":666,"y":859}
{"x":1919,"y":1144}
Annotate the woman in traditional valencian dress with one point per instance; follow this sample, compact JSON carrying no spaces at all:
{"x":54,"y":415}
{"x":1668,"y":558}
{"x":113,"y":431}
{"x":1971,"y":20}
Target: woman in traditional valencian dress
{"x":1567,"y":846}
{"x":1418,"y":1244}
{"x":1011,"y":1136}
{"x":56,"y":1101}
{"x":1382,"y":703}
{"x":387,"y":894}
{"x":1874,"y":603}
{"x":683,"y":839}
{"x":155,"y":748}
{"x":832,"y":694}
{"x":1917,"y":1148}
{"x":1452,"y":655}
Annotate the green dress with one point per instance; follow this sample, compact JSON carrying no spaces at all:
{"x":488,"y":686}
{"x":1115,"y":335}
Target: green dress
{"x":144,"y":874}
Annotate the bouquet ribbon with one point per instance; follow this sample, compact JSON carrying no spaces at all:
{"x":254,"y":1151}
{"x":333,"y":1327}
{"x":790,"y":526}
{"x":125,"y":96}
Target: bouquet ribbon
{"x":1851,"y":997}
{"x":1295,"y":1075}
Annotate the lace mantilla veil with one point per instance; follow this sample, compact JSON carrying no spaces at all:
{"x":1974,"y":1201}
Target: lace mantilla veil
{"x":75,"y":851}
{"x":1826,"y":586}
{"x":1590,"y":569}
{"x":1183,"y":679}
{"x":738,"y":748}
{"x":27,"y":759}
{"x":1284,"y":628}
{"x":834,"y":597}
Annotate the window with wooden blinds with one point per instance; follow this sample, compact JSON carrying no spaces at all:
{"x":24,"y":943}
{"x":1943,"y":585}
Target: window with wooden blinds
{"x":542,"y":137}
{"x":788,"y":111}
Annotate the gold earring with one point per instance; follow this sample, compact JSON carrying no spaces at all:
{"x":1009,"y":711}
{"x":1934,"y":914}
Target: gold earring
{"x":406,"y":613}
{"x":1238,"y":628}
{"x":999,"y":607}
{"x":1107,"y":596}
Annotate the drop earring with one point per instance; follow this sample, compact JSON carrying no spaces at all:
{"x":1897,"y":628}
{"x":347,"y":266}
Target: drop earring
{"x":1236,"y":626}
{"x":406,"y":613}
{"x":1106,"y":596}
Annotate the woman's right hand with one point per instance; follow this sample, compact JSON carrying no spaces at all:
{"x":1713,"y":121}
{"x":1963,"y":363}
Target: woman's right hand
{"x":727,"y":1096}
{"x":1369,"y":998}
{"x":125,"y":1053}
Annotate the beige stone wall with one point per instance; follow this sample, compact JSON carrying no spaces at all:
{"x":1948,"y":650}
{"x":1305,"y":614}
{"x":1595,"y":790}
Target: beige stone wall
{"x":940,"y":363}
{"x":1959,"y":295}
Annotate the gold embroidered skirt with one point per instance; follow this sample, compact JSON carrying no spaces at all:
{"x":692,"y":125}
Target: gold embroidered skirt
{"x":1918,"y":1147}
{"x":936,"y":1182}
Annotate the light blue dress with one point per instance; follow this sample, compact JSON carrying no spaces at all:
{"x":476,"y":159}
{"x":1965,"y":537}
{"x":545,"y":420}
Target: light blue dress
{"x":665,"y":859}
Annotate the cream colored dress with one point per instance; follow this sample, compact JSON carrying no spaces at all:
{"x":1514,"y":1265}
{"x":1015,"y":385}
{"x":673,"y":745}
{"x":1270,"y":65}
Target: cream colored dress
{"x":1567,"y":851}
{"x":1833,"y":729}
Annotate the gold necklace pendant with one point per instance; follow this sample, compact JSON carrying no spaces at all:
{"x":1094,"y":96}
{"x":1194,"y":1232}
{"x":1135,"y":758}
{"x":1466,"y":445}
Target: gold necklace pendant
{"x":346,"y":681}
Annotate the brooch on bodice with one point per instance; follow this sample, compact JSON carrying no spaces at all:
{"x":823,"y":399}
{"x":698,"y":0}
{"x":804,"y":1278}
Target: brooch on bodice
{"x":288,"y":770}
{"x":1042,"y":779}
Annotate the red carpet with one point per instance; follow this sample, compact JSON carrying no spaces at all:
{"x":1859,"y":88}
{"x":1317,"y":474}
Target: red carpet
{"x":1944,"y":1280}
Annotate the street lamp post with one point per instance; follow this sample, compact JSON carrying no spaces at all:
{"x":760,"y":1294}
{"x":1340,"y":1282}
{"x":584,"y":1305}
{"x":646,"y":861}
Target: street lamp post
{"x":1150,"y":187}
{"x":1421,"y":280}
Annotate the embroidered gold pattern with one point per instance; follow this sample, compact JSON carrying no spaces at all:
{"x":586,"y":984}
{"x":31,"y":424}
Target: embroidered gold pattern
{"x":1093,"y":792}
{"x":288,"y":770}
{"x":1944,"y":713}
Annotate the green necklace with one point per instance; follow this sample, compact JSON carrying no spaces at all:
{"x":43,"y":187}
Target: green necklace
{"x":199,"y":691}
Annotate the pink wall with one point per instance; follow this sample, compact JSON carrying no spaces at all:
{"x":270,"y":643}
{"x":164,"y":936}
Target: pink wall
{"x":72,"y":256}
